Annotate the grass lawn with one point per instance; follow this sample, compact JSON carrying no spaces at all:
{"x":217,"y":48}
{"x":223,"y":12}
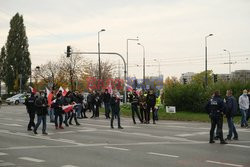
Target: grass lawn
{"x":178,"y":116}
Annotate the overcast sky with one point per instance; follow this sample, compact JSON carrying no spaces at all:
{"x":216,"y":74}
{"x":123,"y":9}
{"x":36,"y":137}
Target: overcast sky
{"x":172,"y":31}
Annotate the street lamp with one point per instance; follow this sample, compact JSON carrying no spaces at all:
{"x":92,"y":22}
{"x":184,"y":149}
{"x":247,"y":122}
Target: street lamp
{"x":99,"y":58}
{"x":206,"y":58}
{"x":159,"y":66}
{"x":229,"y":62}
{"x":130,"y":39}
{"x":143,"y":64}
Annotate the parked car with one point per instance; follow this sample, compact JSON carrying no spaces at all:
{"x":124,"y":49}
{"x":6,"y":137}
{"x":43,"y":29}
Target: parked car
{"x":18,"y":98}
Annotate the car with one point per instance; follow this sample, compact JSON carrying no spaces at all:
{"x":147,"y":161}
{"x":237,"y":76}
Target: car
{"x":16,"y":99}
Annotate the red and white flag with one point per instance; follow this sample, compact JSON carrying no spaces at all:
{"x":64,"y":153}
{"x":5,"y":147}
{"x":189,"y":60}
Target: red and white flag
{"x":33,"y":90}
{"x":67,"y":108}
{"x":64,"y":92}
{"x":49,"y":96}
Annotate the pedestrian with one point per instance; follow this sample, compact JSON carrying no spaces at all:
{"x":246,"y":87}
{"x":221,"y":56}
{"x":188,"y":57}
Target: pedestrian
{"x":231,"y":111}
{"x":31,"y":109}
{"x":106,"y":100}
{"x":134,"y":100}
{"x":151,"y":101}
{"x":78,"y":100}
{"x":244,"y":107}
{"x":72,"y":101}
{"x":115,"y":108}
{"x":143,"y":106}
{"x":215,"y":109}
{"x":57,"y":105}
{"x":42,"y":110}
{"x":91,"y":101}
{"x":51,"y":109}
{"x":248,"y":114}
{"x":97,"y":103}
{"x":157,"y":107}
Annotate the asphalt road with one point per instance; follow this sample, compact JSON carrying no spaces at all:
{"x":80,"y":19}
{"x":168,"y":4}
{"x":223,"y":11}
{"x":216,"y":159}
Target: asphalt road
{"x":94,"y":144}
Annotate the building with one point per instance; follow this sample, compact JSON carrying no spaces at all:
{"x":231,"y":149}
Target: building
{"x":241,"y":75}
{"x":186,"y":77}
{"x":224,"y":77}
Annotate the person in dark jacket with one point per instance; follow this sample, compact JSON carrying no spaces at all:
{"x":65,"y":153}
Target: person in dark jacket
{"x":106,"y":100}
{"x":248,"y":113}
{"x":134,"y":100}
{"x":91,"y":101}
{"x":42,"y":110}
{"x":97,"y":103}
{"x":31,"y":109}
{"x":143,"y":106}
{"x":231,"y":110}
{"x":72,"y":113}
{"x":215,"y":109}
{"x":115,"y":108}
{"x":58,"y":110}
{"x":151,"y":101}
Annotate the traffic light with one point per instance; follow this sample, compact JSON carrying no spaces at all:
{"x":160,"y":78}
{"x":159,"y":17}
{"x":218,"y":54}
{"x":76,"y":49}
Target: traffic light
{"x":69,"y":50}
{"x":215,"y":78}
{"x":184,"y":80}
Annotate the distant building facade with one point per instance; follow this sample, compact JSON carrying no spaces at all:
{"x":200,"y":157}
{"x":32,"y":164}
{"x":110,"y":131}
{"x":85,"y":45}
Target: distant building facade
{"x":241,"y":75}
{"x":186,"y":77}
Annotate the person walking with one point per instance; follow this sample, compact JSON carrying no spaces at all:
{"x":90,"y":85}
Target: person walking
{"x":134,"y":100}
{"x":143,"y":106}
{"x":151,"y":101}
{"x":91,"y":101}
{"x":244,"y":106}
{"x":42,"y":110}
{"x":115,"y":108}
{"x":215,"y":109}
{"x":231,"y":111}
{"x":157,"y":107}
{"x":248,"y":113}
{"x":57,"y":105}
{"x":31,"y":109}
{"x":106,"y":100}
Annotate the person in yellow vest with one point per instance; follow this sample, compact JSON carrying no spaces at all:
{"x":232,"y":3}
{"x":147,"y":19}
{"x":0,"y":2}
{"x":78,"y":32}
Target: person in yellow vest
{"x":157,"y":106}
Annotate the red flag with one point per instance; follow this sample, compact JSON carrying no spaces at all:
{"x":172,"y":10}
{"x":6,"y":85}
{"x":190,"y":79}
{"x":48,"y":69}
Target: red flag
{"x":67,"y":108}
{"x":33,"y":90}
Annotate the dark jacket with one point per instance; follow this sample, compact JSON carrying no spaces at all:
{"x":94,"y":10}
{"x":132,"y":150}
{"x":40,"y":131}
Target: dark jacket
{"x":41,"y":106}
{"x":115,"y":103}
{"x":90,"y":98}
{"x":134,"y":99}
{"x":215,"y":107}
{"x":106,"y":97}
{"x":58,"y":105}
{"x":142,"y":101}
{"x":30,"y":104}
{"x":231,"y":106}
{"x":151,"y":100}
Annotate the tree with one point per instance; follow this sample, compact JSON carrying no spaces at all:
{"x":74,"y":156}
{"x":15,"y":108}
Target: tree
{"x":200,"y":78}
{"x":17,"y":54}
{"x":2,"y":66}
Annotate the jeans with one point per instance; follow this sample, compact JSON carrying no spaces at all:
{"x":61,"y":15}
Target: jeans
{"x":148,"y":113}
{"x":243,"y":117}
{"x":135,"y":110}
{"x":51,"y":114}
{"x":79,"y":110}
{"x":231,"y":128}
{"x":115,"y":112}
{"x":57,"y":114}
{"x":107,"y":109}
{"x":31,"y":122}
{"x":41,"y":118}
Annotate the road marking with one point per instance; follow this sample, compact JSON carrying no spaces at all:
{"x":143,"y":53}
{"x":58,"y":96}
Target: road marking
{"x":6,"y":164}
{"x":223,"y":163}
{"x":3,"y":153}
{"x":31,"y":159}
{"x":117,"y":148}
{"x":16,"y":125}
{"x":192,"y":134}
{"x":164,"y":155}
{"x":237,"y":145}
{"x":69,"y":166}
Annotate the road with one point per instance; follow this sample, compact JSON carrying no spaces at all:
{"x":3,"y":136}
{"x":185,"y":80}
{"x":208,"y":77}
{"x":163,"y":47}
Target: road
{"x":94,"y":144}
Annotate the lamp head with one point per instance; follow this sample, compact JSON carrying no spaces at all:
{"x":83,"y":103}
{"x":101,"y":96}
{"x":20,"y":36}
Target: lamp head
{"x":211,"y":34}
{"x":103,"y":30}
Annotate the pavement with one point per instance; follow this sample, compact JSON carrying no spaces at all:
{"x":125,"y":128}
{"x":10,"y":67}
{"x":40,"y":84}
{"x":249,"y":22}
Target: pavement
{"x":94,"y":144}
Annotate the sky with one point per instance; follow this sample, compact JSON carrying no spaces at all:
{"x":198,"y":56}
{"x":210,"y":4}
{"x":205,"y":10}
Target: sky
{"x":171,"y":31}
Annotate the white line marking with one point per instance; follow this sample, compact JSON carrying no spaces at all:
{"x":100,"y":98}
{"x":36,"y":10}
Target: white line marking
{"x":31,"y":159}
{"x":117,"y":148}
{"x":222,"y":163}
{"x":69,"y":166}
{"x":192,"y":134}
{"x":237,"y":145}
{"x":164,"y":155}
{"x":6,"y":164}
{"x":16,"y":125}
{"x":3,"y":153}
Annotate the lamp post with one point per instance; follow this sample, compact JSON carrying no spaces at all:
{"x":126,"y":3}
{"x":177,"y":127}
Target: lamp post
{"x":206,"y":58}
{"x":130,"y":39}
{"x":159,"y":66}
{"x":143,"y":64}
{"x":229,"y":62}
{"x":99,"y":58}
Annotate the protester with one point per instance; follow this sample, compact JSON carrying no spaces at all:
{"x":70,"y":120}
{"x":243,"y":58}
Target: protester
{"x":215,"y":109}
{"x":72,"y":113}
{"x":231,"y":111}
{"x":51,"y":109}
{"x":57,"y":105}
{"x":106,"y":100}
{"x":41,"y":109}
{"x":151,"y":101}
{"x":134,"y":100}
{"x":91,"y":101}
{"x":248,"y":114}
{"x":244,"y":107}
{"x":115,"y":107}
{"x":143,"y":106}
{"x":30,"y":105}
{"x":157,"y":107}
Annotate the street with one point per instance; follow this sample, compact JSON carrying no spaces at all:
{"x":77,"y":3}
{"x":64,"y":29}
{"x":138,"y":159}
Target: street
{"x":94,"y":144}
